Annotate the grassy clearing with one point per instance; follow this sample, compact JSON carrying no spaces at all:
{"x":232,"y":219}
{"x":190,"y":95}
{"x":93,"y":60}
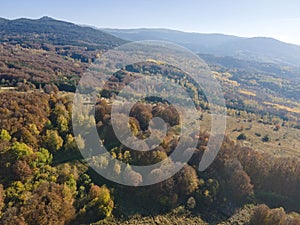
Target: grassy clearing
{"x":286,"y":108}
{"x":248,"y":93}
{"x":284,"y":142}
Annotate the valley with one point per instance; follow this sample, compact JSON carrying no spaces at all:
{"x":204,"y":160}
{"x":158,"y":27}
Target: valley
{"x":44,"y":178}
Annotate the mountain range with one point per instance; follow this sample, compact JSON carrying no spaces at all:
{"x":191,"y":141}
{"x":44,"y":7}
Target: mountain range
{"x":260,"y":49}
{"x":48,"y":50}
{"x":51,"y":31}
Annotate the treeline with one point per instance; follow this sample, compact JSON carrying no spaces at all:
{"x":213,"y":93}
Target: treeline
{"x":264,"y":215}
{"x":274,"y":180}
{"x":240,"y":174}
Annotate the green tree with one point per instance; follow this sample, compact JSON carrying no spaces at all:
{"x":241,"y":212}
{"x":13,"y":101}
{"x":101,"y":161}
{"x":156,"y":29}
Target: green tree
{"x":70,"y":144}
{"x":44,"y":157}
{"x":52,"y":141}
{"x":62,"y":124}
{"x":242,"y":136}
{"x":16,"y":192}
{"x":101,"y":202}
{"x":4,"y":135}
{"x":21,"y":150}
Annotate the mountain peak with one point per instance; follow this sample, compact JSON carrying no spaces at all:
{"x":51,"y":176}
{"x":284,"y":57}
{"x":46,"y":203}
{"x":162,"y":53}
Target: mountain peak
{"x":55,"y":32}
{"x":46,"y":18}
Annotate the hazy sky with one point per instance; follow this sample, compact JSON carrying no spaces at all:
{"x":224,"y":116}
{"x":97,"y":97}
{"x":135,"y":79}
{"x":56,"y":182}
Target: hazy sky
{"x":272,"y":18}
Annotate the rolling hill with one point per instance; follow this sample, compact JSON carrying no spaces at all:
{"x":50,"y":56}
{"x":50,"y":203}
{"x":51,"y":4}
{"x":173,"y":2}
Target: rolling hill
{"x":51,"y":31}
{"x":45,"y":180}
{"x":48,"y":50}
{"x":258,"y":48}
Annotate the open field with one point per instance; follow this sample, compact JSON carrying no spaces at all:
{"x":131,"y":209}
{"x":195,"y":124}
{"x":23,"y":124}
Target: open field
{"x":284,"y":142}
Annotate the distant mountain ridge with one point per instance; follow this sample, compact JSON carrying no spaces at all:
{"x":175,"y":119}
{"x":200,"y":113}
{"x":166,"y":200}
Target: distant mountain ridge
{"x":56,"y":32}
{"x":51,"y":31}
{"x":257,"y":49}
{"x":48,"y":51}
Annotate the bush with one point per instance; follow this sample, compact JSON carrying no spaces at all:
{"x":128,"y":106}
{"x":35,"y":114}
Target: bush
{"x":4,"y":135}
{"x":266,"y":138}
{"x":258,"y":134}
{"x":242,"y":136}
{"x":191,"y":203}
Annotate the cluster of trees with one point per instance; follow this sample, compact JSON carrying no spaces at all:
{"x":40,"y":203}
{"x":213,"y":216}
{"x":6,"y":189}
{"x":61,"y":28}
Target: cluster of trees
{"x":237,"y":106}
{"x":44,"y":180}
{"x":265,"y":82}
{"x":39,"y":183}
{"x":265,"y":175}
{"x":46,"y":50}
{"x":172,"y":74}
{"x":264,"y":215}
{"x":42,"y":67}
{"x":239,"y":174}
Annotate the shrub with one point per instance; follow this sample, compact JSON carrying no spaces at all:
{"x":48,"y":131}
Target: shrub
{"x":4,"y":135}
{"x":258,"y":134}
{"x":266,"y":138}
{"x":242,"y":136}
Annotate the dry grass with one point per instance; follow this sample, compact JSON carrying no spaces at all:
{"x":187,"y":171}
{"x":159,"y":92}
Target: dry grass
{"x":225,"y":79}
{"x":284,"y":142}
{"x":286,"y":108}
{"x":248,"y":93}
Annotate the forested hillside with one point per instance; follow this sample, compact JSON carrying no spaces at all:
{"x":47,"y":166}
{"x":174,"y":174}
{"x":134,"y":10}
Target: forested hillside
{"x":45,"y":180}
{"x":48,"y":51}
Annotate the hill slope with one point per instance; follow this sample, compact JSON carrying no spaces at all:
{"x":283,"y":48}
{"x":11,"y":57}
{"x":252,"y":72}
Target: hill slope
{"x":51,"y":31}
{"x":258,"y":49}
{"x":47,"y":50}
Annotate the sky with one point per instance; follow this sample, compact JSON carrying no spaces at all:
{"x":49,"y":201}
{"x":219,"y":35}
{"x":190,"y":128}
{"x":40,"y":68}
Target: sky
{"x":269,"y":18}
